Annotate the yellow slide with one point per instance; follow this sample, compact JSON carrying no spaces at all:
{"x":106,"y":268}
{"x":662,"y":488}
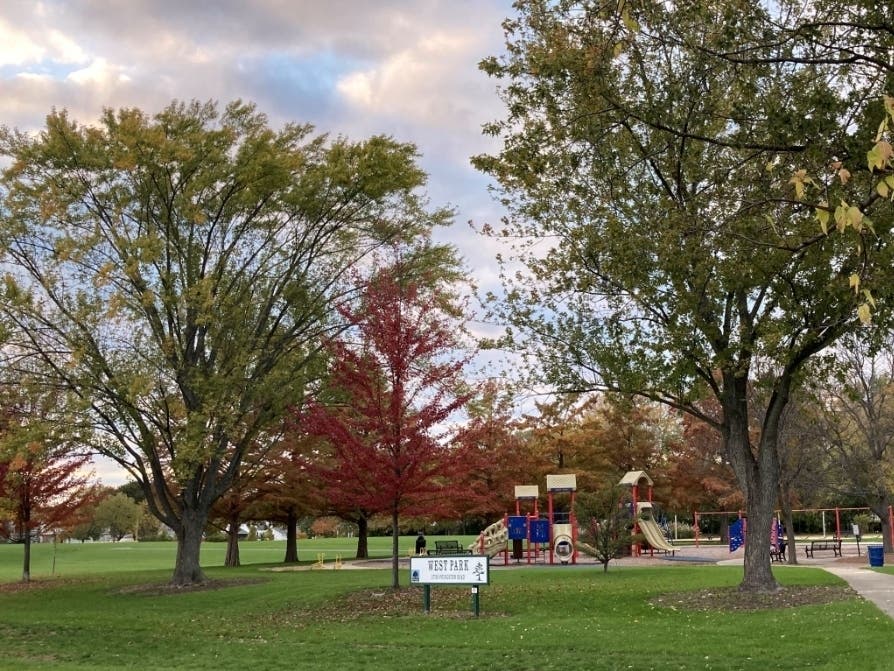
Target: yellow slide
{"x":654,"y":536}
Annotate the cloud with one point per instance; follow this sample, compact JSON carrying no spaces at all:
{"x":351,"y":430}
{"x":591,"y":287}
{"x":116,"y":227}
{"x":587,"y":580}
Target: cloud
{"x":99,"y":73}
{"x":351,"y":67}
{"x":26,"y":46}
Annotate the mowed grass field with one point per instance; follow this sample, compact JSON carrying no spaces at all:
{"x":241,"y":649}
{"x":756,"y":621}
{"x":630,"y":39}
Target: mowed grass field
{"x":108,"y":608}
{"x":74,"y":559}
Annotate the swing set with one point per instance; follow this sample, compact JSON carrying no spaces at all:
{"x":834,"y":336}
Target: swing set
{"x":740,"y":515}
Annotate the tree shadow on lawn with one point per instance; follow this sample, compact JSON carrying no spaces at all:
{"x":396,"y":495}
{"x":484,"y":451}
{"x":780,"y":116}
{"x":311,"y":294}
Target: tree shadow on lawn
{"x":38,"y":584}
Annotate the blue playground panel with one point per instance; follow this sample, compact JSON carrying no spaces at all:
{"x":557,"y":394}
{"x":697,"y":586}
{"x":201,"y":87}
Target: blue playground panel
{"x":540,"y":531}
{"x":518,"y":528}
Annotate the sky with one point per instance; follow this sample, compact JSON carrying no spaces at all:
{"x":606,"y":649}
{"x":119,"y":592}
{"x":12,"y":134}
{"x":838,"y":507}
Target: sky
{"x":405,"y":68}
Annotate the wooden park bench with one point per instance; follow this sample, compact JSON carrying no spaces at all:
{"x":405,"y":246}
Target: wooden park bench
{"x":834,"y":545}
{"x":450,"y":548}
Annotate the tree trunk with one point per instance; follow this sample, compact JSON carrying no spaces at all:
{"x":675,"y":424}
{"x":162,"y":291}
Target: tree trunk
{"x":362,"y":537}
{"x":26,"y":561}
{"x":187,"y":570}
{"x":291,"y":538}
{"x":757,"y":471}
{"x":788,"y":521}
{"x":395,"y":550}
{"x":879,"y":506}
{"x":758,"y":573}
{"x":232,"y":559}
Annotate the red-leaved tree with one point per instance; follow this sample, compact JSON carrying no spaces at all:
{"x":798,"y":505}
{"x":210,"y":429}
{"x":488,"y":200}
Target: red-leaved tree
{"x":398,"y":380}
{"x":44,"y":484}
{"x":42,"y":488}
{"x":288,"y":488}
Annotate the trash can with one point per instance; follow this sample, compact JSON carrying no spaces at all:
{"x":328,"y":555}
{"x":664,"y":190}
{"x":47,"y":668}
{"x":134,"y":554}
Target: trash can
{"x":876,"y":555}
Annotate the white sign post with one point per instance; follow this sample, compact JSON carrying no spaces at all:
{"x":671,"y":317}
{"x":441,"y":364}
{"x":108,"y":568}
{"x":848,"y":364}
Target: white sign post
{"x":450,"y":570}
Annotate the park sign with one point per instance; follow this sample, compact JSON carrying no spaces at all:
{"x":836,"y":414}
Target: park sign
{"x":450,"y":570}
{"x":471,"y":570}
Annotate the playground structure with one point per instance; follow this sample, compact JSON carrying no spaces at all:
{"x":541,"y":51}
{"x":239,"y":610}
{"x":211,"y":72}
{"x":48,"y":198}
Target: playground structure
{"x":643,"y":514}
{"x":526,"y":534}
{"x":563,"y":526}
{"x":321,"y":562}
{"x":529,"y":533}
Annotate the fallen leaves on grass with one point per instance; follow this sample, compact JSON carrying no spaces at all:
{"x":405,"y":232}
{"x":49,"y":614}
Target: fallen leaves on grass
{"x":14,"y":587}
{"x":161,"y":589}
{"x":388,"y":603}
{"x":731,"y":599}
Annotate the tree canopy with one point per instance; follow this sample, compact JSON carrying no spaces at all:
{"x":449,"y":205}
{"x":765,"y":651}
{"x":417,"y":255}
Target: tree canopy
{"x":658,"y":190}
{"x":45,"y":483}
{"x":399,"y":375}
{"x":179,"y":273}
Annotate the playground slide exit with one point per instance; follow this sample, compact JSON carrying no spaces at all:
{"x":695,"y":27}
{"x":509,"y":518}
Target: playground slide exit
{"x":654,"y":535}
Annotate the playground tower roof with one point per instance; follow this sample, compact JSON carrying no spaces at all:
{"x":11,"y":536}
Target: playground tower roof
{"x":632,"y":478}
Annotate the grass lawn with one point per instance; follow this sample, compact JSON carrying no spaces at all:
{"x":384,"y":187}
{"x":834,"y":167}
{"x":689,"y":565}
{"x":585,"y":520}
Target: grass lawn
{"x":74,"y":559}
{"x":109,"y":609}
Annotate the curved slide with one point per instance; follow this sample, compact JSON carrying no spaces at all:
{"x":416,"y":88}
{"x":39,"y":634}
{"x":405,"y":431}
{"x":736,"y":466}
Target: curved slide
{"x":492,"y":541}
{"x":654,"y":535}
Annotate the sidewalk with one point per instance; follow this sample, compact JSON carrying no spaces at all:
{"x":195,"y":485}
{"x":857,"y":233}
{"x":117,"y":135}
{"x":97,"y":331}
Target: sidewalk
{"x":871,"y":585}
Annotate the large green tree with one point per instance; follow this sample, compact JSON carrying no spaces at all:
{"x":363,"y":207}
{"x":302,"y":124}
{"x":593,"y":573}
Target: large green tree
{"x":657,"y":188}
{"x":179,"y":271}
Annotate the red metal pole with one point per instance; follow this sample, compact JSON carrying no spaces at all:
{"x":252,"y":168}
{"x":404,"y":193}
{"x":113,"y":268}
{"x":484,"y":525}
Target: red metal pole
{"x":652,"y":513}
{"x":635,"y":549}
{"x":695,"y":517}
{"x":550,"y":517}
{"x":837,"y":524}
{"x":506,"y":547}
{"x":528,"y":538}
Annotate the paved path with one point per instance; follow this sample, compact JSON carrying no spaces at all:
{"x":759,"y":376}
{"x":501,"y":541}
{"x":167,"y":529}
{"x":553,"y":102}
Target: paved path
{"x":871,"y":585}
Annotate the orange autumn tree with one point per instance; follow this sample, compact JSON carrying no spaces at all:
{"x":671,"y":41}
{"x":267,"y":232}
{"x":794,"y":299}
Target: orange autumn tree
{"x":290,"y":490}
{"x":700,"y":477}
{"x":43,"y":482}
{"x":498,"y":442}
